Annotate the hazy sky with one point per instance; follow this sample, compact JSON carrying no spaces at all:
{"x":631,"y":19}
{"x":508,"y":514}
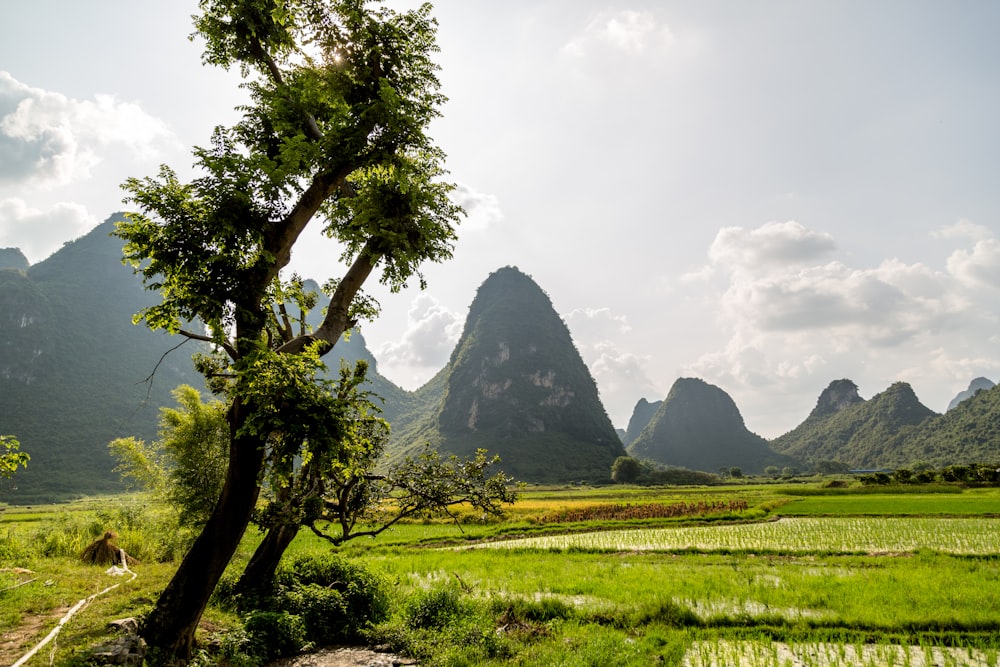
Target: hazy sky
{"x":766,"y":195}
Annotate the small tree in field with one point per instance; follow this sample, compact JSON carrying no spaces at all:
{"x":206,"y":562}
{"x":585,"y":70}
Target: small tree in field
{"x":10,"y":457}
{"x":341,"y":95}
{"x":625,"y":470}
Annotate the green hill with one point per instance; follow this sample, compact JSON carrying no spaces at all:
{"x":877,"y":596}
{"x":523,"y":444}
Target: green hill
{"x":699,"y":427}
{"x":968,"y":433}
{"x":858,"y":433}
{"x":75,"y":373}
{"x":516,"y":386}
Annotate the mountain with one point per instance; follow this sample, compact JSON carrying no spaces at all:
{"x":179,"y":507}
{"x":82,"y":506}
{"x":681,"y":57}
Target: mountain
{"x":967,"y":433}
{"x":699,"y":427}
{"x":516,"y":386}
{"x":76,"y":373}
{"x":862,"y":434}
{"x":642,"y":414}
{"x":13,"y":258}
{"x":979,"y":384}
{"x":838,"y":396}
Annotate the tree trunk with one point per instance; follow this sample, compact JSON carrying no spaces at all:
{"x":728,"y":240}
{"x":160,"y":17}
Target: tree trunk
{"x":169,"y":629}
{"x":264,"y":563}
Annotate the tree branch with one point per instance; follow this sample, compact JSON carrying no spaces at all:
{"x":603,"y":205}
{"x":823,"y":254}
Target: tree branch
{"x":338,"y":319}
{"x":230,"y":350}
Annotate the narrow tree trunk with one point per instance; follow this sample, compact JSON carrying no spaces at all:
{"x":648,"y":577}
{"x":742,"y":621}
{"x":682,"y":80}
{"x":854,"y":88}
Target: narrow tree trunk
{"x":264,"y":562}
{"x":169,"y":629}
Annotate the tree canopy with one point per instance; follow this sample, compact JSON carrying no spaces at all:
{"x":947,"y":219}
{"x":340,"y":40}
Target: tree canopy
{"x":335,"y":131}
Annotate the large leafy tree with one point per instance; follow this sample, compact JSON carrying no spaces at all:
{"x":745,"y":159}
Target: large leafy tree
{"x":341,"y":95}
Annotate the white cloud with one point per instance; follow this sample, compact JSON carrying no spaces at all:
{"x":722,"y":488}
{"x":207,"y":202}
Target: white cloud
{"x":38,"y":233}
{"x":482,"y":210}
{"x":622,"y":378}
{"x":47,"y":138}
{"x":797,"y":318}
{"x":627,"y":31}
{"x":600,"y":335}
{"x":963,"y":229}
{"x":978,"y":266}
{"x":430,"y":336}
{"x":772,"y":245}
{"x":597,"y":322}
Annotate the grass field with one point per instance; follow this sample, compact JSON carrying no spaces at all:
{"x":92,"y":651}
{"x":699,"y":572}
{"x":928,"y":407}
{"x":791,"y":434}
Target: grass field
{"x":751,"y":574}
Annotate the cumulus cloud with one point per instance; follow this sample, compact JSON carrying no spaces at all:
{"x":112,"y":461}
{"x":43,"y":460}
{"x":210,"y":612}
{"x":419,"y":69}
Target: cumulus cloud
{"x":797,"y":317}
{"x":596,"y":322}
{"x":482,"y":210}
{"x":979,"y":266}
{"x":47,"y":138}
{"x":963,"y":229}
{"x":622,"y":378}
{"x":772,"y":245}
{"x":626,"y":31}
{"x":37,"y":232}
{"x":430,"y":336}
{"x":599,"y":335}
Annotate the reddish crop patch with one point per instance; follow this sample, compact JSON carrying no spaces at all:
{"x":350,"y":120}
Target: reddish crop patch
{"x":625,"y":512}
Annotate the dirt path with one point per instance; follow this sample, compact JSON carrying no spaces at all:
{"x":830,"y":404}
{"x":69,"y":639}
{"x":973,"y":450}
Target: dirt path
{"x":15,"y":643}
{"x":345,"y":657}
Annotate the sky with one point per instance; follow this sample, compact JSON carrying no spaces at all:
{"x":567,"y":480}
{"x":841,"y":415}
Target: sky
{"x":767,"y":195}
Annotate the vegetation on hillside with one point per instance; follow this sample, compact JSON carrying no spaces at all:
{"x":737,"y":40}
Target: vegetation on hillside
{"x":699,"y":427}
{"x":893,"y":429}
{"x":517,"y":387}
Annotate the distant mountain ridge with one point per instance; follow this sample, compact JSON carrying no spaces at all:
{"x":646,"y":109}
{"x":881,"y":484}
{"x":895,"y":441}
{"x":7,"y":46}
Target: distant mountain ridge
{"x":698,"y":426}
{"x":978,"y":384}
{"x":75,"y":373}
{"x":859,"y":433}
{"x":642,"y":414}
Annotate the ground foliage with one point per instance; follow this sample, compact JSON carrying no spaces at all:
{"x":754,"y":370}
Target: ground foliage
{"x":448,"y":606}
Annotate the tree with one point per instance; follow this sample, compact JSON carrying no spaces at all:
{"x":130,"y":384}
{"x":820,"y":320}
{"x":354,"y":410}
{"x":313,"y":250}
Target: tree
{"x":10,"y":457}
{"x":335,"y":130}
{"x":186,"y":467}
{"x":625,"y":470}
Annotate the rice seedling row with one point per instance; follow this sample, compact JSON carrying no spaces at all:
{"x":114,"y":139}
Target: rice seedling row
{"x":974,"y":536}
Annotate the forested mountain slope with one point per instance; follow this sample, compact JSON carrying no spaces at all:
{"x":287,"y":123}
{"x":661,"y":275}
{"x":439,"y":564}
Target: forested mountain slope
{"x":516,"y":386}
{"x":698,"y":426}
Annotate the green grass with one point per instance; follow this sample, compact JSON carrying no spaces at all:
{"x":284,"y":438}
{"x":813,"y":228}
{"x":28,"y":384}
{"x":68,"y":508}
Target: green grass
{"x":968,"y":503}
{"x":859,"y":578}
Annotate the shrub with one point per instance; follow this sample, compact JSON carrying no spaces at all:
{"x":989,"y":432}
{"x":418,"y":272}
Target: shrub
{"x":435,"y":608}
{"x":337,"y":598}
{"x":324,"y":611}
{"x":274,"y":634}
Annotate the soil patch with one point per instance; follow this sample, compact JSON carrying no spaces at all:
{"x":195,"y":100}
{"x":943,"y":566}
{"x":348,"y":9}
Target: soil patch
{"x":15,"y":643}
{"x":345,"y":656}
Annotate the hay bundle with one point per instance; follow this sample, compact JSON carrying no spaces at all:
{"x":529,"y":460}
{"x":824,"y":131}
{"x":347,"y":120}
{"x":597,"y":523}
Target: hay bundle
{"x":105,"y":552}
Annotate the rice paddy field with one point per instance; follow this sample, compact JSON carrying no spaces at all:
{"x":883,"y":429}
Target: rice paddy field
{"x":749,"y":574}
